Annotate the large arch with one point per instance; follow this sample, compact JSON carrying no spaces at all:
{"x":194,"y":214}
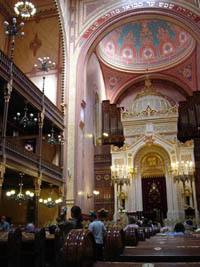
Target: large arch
{"x":102,"y":26}
{"x":121,"y":18}
{"x":183,"y":87}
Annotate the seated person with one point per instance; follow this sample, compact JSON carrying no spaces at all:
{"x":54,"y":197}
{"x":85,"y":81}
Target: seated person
{"x":188,"y":225}
{"x":30,"y":228}
{"x":179,"y":229}
{"x":52,"y":229}
{"x":4,"y":225}
{"x":132,"y":223}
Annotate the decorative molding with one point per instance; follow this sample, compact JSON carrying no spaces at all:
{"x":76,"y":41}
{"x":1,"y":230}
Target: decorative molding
{"x":186,"y":72}
{"x":165,"y":128}
{"x":134,"y":130}
{"x":189,"y":143}
{"x":150,"y":113}
{"x":153,"y":149}
{"x":35,"y":44}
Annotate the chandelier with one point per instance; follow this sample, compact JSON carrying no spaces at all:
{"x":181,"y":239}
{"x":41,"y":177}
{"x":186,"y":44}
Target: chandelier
{"x":45,"y":65}
{"x":20,"y":197}
{"x":49,"y":202}
{"x":122,"y":174}
{"x":25,"y":9}
{"x":54,"y":140}
{"x":27,"y":120}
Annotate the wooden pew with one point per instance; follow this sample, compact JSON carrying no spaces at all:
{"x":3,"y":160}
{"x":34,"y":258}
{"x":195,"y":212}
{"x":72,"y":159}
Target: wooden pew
{"x":10,"y":244}
{"x":147,"y":232}
{"x":50,"y":250}
{"x":33,"y":249}
{"x":78,"y":249}
{"x":130,"y":237}
{"x":113,"y":246}
{"x":140,"y":234}
{"x":185,"y":248}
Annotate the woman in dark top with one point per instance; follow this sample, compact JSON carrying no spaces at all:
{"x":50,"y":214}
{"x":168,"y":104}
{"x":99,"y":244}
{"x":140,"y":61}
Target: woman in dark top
{"x":76,"y":217}
{"x":74,"y":223}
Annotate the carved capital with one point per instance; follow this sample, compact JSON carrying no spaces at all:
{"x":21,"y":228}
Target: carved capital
{"x":2,"y":172}
{"x":9,"y":88}
{"x":1,"y":182}
{"x":61,"y":191}
{"x":41,"y":118}
{"x":37,"y":183}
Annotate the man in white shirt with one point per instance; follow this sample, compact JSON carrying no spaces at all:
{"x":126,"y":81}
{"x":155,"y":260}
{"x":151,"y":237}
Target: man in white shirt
{"x":98,"y":229}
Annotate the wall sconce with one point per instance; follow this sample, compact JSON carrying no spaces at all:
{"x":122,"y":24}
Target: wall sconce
{"x":95,"y":193}
{"x":69,"y":173}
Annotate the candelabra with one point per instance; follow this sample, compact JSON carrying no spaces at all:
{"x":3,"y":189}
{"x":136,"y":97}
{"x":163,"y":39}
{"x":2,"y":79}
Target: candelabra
{"x":49,"y":202}
{"x":13,"y":31}
{"x":27,"y":119}
{"x":25,"y":9}
{"x":52,"y":139}
{"x":122,"y":174}
{"x":183,"y":172}
{"x":20,"y":197}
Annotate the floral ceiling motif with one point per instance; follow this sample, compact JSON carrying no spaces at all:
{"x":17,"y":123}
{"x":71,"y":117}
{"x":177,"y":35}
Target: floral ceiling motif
{"x":146,"y":45}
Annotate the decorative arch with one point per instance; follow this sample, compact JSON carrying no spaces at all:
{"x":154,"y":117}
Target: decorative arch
{"x":64,"y":55}
{"x":184,"y":89}
{"x":150,"y":150}
{"x":152,"y":164}
{"x":115,"y":21}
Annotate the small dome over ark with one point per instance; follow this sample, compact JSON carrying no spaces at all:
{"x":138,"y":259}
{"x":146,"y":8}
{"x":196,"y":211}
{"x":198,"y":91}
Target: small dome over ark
{"x":150,"y":98}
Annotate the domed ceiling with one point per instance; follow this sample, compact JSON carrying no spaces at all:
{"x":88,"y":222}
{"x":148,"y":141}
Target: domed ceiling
{"x":146,"y":44}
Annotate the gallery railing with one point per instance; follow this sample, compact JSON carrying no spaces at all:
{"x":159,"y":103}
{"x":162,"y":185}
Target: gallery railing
{"x":26,"y":88}
{"x":20,"y":157}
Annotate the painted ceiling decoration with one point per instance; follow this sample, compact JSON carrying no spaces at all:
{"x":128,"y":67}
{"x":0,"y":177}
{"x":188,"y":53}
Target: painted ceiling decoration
{"x":146,"y":45}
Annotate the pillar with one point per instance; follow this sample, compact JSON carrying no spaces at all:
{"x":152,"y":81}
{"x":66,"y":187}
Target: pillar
{"x":197,"y":169}
{"x":2,"y":172}
{"x":37,"y":183}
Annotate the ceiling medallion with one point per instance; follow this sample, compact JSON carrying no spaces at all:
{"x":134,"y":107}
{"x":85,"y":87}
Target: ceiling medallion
{"x":25,"y":9}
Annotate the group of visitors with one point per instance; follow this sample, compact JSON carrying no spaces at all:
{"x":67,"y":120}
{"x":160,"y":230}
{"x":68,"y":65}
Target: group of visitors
{"x":97,"y":226}
{"x":143,"y":222}
{"x":179,"y":228}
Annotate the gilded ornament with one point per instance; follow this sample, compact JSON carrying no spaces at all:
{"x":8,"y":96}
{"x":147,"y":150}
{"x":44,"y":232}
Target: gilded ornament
{"x":98,"y":177}
{"x":106,"y":177}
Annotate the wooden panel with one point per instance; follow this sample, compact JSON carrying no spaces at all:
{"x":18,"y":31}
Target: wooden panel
{"x":189,"y":121}
{"x":102,"y":180}
{"x":154,"y":196}
{"x":111,"y":124}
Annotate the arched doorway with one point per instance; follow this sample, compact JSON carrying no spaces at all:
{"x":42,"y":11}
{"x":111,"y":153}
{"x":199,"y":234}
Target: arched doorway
{"x":153,"y":186}
{"x":154,"y":198}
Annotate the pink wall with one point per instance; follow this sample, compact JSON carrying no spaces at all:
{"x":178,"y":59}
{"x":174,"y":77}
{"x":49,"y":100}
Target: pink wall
{"x":85,"y":166}
{"x":198,"y":67}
